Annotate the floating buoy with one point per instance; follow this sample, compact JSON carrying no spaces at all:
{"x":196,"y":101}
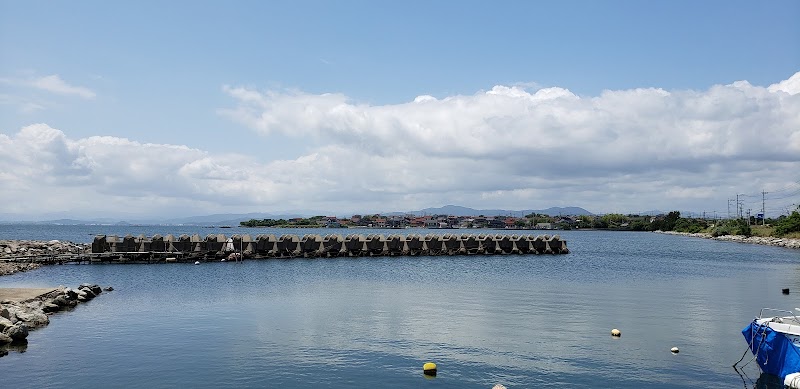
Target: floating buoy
{"x":429,"y":369}
{"x":674,"y":350}
{"x":785,"y":290}
{"x":616,"y":332}
{"x":196,"y":262}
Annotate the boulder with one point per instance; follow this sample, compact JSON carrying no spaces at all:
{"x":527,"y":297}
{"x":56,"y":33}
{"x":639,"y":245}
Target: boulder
{"x":4,"y":339}
{"x":17,"y":331}
{"x":33,"y":318}
{"x":4,"y":313}
{"x":85,"y":294}
{"x":109,"y":288}
{"x":50,"y":307}
{"x":5,"y":323}
{"x":61,"y":301}
{"x":96,"y":289}
{"x":70,"y":294}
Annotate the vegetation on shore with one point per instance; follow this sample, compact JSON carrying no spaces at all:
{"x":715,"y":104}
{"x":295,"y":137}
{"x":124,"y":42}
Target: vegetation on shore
{"x":783,"y":226}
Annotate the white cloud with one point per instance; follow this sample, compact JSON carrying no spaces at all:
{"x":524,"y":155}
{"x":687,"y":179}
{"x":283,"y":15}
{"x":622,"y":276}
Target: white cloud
{"x":790,"y":86}
{"x":621,"y":151}
{"x":53,"y":83}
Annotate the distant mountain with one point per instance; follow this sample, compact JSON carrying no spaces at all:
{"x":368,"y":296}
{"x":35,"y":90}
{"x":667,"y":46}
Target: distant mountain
{"x":228,"y":218}
{"x":457,"y":210}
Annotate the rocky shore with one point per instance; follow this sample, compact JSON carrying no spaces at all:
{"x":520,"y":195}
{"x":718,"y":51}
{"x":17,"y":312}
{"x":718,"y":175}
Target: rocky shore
{"x":19,"y":314}
{"x":37,"y":248}
{"x":15,"y":267}
{"x":14,"y":253}
{"x":767,"y":241}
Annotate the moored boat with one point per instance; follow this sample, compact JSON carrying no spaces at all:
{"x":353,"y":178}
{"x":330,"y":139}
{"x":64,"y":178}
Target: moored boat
{"x":775,"y":344}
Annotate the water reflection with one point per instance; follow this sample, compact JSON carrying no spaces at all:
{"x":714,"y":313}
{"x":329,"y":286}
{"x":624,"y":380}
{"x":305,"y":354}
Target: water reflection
{"x":19,"y":346}
{"x":768,"y":381}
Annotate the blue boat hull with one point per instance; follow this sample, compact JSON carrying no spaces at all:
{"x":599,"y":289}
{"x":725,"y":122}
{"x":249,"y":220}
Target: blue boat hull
{"x":775,"y":353}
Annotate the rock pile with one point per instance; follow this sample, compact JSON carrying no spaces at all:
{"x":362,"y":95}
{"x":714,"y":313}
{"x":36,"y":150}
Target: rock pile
{"x":35,"y":248}
{"x":15,"y":267}
{"x":18,"y":317}
{"x":767,"y":241}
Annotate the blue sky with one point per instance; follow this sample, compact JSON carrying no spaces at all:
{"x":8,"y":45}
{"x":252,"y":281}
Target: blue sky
{"x":205,"y":75}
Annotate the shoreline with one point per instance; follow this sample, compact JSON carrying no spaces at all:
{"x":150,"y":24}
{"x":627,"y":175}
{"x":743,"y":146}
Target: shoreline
{"x":789,"y":243}
{"x":25,"y":309}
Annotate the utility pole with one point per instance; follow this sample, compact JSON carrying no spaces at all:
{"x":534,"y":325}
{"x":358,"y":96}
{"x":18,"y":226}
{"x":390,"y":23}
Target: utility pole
{"x":739,"y":207}
{"x":738,"y":212}
{"x":763,"y":212}
{"x":729,"y":208}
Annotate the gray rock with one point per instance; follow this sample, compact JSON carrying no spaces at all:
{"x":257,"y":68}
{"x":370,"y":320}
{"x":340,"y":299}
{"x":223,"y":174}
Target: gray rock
{"x":4,"y":313}
{"x":61,"y":301}
{"x":70,"y":294}
{"x":33,"y":318}
{"x":50,"y":307}
{"x":17,"y":332}
{"x":5,"y":323}
{"x":86,"y":294}
{"x":109,"y":288}
{"x":5,"y":339}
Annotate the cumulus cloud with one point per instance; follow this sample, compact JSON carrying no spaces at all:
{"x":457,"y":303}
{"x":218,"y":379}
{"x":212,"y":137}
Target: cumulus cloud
{"x":616,"y":131}
{"x":513,"y":141}
{"x":507,"y":147}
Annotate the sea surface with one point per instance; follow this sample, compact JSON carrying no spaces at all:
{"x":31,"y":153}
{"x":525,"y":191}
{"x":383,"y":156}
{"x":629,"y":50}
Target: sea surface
{"x":521,"y":321}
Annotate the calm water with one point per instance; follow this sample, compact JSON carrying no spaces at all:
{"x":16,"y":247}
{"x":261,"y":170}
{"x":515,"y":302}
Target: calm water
{"x":523,"y":321}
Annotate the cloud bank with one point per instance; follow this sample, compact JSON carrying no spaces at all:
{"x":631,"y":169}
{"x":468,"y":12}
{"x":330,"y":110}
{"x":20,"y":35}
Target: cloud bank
{"x":508,"y":147}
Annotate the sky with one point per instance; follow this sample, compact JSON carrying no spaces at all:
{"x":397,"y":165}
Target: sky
{"x":180,"y":108}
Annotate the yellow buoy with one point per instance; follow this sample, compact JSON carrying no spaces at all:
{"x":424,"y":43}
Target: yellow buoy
{"x":616,"y":332}
{"x":675,"y":350}
{"x":429,"y":369}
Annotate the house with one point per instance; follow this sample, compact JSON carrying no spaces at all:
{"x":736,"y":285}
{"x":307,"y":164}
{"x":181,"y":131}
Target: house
{"x":495,"y":223}
{"x":510,"y":222}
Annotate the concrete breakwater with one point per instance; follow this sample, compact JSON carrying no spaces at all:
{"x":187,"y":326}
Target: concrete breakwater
{"x":218,"y":246}
{"x":24,"y":309}
{"x":762,"y":240}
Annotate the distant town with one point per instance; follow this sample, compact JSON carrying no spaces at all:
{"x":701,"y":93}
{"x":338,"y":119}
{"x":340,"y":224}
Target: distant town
{"x":783,"y":226}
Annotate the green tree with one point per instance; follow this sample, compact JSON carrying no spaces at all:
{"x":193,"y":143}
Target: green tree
{"x":788,"y":224}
